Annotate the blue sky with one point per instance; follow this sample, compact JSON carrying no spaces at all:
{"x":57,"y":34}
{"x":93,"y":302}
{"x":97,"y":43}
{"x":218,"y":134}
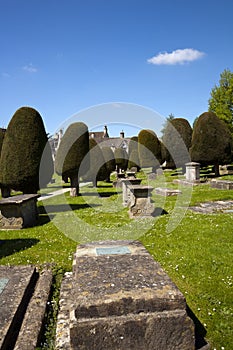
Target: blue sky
{"x":62,"y":57}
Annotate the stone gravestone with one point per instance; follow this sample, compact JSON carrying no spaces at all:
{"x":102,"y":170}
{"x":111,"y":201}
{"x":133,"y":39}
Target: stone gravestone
{"x":125,"y":189}
{"x":18,"y":212}
{"x":140,"y":205}
{"x":192,"y":172}
{"x":24,"y":294}
{"x":118,"y":297}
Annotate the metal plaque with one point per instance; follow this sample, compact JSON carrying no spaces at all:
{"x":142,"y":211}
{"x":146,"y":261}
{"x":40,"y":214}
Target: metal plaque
{"x":113,"y":250}
{"x":3,"y":283}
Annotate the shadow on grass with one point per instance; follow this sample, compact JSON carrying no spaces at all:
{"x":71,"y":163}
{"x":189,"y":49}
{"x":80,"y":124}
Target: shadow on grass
{"x":99,"y":194}
{"x":11,"y":246}
{"x":45,"y":216}
{"x":200,"y":331}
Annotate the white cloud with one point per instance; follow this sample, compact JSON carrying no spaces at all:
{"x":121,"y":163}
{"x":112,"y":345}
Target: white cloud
{"x":179,"y":56}
{"x":30,"y":68}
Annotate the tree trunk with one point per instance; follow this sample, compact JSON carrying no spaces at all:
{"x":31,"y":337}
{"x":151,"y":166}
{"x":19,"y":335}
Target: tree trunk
{"x":216,"y":170}
{"x":6,"y":191}
{"x":94,"y":182}
{"x":74,"y":186}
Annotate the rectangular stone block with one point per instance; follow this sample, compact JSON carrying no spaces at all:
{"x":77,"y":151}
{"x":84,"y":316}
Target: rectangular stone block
{"x":221,"y":184}
{"x":166,"y":192}
{"x":125,"y":301}
{"x":17,"y":212}
{"x":24,"y":293}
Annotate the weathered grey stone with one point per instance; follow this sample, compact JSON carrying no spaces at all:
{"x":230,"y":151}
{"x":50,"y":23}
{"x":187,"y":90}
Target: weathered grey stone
{"x":192,"y":172}
{"x":23,"y":301}
{"x":140,"y":205}
{"x":125,"y":189}
{"x":221,"y":184}
{"x":121,"y":301}
{"x":167,"y":191}
{"x":18,"y":211}
{"x":151,"y":176}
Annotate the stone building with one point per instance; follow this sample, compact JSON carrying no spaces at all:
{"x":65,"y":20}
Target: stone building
{"x":104,"y":140}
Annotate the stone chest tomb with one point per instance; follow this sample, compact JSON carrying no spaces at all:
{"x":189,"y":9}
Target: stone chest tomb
{"x":119,"y":297}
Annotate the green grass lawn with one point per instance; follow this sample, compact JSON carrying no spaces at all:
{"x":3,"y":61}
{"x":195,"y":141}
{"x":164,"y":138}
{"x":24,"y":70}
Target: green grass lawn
{"x":196,"y":250}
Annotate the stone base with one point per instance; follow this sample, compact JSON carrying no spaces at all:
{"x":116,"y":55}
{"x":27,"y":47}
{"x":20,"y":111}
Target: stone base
{"x":187,"y":183}
{"x":221,"y":184}
{"x":166,"y":192}
{"x":118,"y":297}
{"x":24,"y":294}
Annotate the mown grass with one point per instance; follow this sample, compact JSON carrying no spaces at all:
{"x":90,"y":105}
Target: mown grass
{"x":196,"y":250}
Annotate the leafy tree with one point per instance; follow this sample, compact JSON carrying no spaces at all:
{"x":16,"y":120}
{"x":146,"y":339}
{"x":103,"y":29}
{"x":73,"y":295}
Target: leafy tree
{"x":221,"y":100}
{"x":133,"y":153}
{"x":121,"y":158}
{"x":109,"y":161}
{"x":72,"y":158}
{"x":26,"y":159}
{"x":149,"y":149}
{"x":211,"y":141}
{"x":98,"y":169}
{"x":177,"y":137}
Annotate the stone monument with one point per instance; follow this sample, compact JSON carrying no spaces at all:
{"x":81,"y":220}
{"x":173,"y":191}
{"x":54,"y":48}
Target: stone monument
{"x":141,"y":205}
{"x":119,"y":297}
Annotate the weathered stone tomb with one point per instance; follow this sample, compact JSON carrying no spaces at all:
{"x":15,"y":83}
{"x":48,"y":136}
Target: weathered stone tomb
{"x":118,"y":297}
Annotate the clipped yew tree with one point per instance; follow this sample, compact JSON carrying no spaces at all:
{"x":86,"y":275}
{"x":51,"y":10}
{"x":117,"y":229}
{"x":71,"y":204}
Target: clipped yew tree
{"x":5,"y":191}
{"x":211,"y":142}
{"x":177,"y":138}
{"x":133,"y":160}
{"x":24,"y":149}
{"x":110,"y":162}
{"x":149,"y":149}
{"x":97,"y":170}
{"x":72,"y":159}
{"x":121,"y":158}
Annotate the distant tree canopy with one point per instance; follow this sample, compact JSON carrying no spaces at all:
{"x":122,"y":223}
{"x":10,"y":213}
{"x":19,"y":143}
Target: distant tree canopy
{"x":109,"y":161}
{"x":98,"y":169}
{"x":149,"y":149}
{"x":177,"y":137}
{"x":24,"y":150}
{"x":221,"y":100}
{"x":211,"y":141}
{"x":121,"y":159}
{"x":72,"y":153}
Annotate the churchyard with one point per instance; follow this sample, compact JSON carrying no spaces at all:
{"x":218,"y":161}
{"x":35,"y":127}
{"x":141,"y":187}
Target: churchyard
{"x":196,"y":254}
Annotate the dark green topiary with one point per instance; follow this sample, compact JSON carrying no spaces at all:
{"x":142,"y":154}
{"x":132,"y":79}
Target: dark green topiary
{"x":149,"y":149}
{"x":22,"y":150}
{"x":121,"y":158}
{"x":211,"y":141}
{"x":133,"y":153}
{"x":2,"y":134}
{"x":97,"y":170}
{"x":109,"y":161}
{"x":71,"y":159}
{"x":177,"y":136}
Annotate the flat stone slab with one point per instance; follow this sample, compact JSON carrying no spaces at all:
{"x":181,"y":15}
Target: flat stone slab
{"x":121,"y":298}
{"x":221,"y":184}
{"x":213,"y":207}
{"x":23,"y":299}
{"x":166,"y":192}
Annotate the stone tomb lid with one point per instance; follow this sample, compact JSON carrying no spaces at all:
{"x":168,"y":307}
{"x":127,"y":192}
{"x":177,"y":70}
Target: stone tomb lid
{"x":118,"y":284}
{"x":15,"y":283}
{"x":18,"y":199}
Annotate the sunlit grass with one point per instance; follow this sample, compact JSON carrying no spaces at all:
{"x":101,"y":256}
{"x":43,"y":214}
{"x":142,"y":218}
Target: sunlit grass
{"x":197,"y":254}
